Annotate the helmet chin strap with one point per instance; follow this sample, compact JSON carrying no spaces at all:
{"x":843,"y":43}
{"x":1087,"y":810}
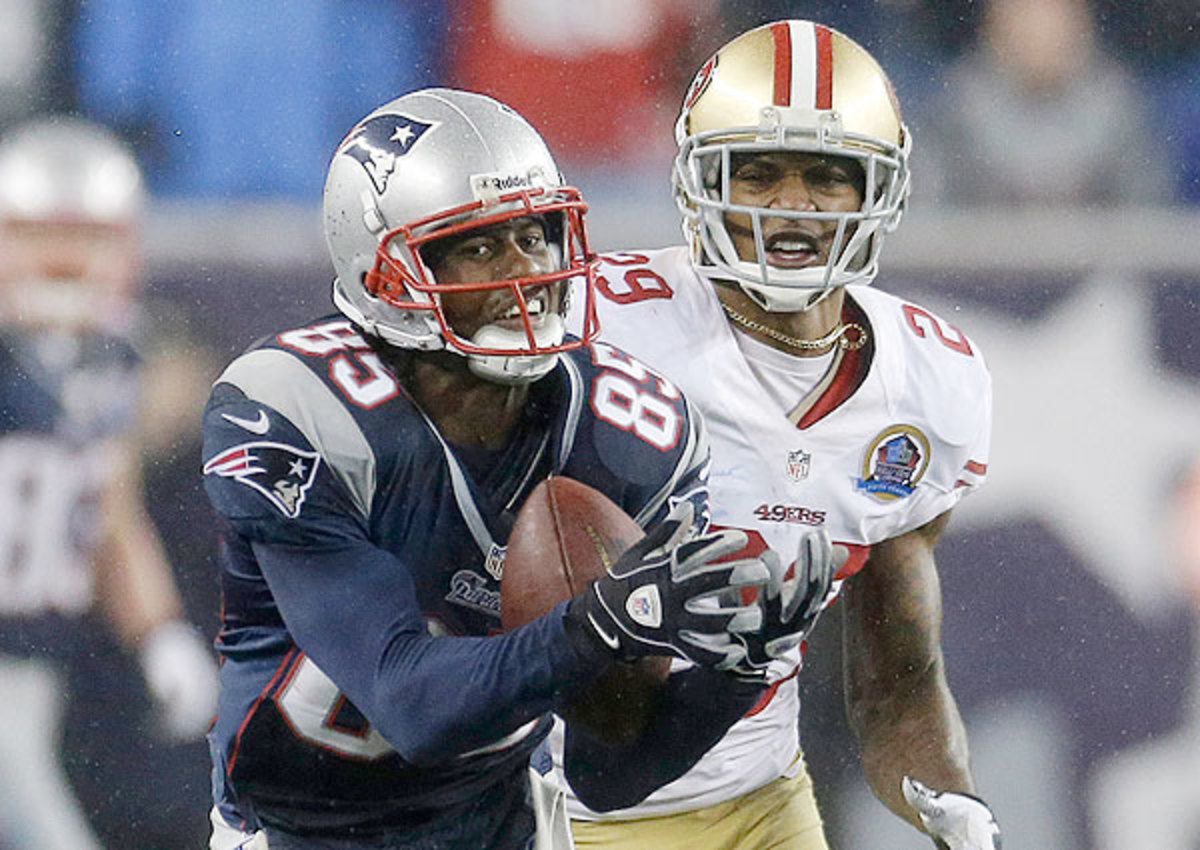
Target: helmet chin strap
{"x":515,"y":368}
{"x":779,"y":299}
{"x":782,"y":290}
{"x":422,"y":334}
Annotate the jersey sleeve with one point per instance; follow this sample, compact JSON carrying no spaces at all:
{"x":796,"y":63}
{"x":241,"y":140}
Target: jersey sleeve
{"x":644,"y":443}
{"x":264,"y":476}
{"x":973,"y":473}
{"x":959,"y":409}
{"x":695,"y":710}
{"x":689,"y":479}
{"x":353,"y":607}
{"x":948,"y":393}
{"x":354,"y":611}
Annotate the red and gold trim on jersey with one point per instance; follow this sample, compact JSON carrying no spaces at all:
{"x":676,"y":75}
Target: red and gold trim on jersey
{"x":843,"y":377}
{"x":973,"y":474}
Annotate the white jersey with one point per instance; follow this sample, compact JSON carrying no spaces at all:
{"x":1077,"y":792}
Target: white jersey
{"x":895,"y":437}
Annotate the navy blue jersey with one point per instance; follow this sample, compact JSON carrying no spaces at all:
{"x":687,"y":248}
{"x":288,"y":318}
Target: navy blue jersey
{"x":63,"y":400}
{"x":357,"y":538}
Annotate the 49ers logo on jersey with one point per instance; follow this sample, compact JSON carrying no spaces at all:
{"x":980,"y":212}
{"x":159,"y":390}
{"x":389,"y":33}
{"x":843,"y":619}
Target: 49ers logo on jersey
{"x":789,"y":513}
{"x":895,"y":461}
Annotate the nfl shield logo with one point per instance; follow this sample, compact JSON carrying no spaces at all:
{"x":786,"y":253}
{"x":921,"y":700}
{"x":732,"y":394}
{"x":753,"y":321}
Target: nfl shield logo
{"x":494,"y":562}
{"x":797,"y":464}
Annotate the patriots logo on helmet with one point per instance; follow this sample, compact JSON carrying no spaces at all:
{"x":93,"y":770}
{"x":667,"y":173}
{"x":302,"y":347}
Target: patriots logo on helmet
{"x":280,"y":472}
{"x":378,"y":142}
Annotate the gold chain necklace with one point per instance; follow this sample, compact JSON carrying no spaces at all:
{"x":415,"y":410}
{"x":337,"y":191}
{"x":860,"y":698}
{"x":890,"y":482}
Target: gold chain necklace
{"x":838,"y":334}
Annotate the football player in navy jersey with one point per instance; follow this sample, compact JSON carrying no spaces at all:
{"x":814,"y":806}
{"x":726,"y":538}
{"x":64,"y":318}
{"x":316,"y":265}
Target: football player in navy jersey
{"x":74,"y":534}
{"x":368,"y":468}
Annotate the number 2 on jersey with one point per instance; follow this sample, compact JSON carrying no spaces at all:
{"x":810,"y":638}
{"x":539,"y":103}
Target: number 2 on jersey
{"x":917,"y":318}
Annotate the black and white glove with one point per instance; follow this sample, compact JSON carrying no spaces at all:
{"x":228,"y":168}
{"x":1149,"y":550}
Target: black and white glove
{"x":664,"y":595}
{"x":790,"y":603}
{"x":955,"y":821}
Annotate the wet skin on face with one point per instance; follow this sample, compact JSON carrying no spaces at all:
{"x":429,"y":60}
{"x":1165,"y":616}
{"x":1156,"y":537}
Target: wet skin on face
{"x":791,"y":181}
{"x":505,"y":251}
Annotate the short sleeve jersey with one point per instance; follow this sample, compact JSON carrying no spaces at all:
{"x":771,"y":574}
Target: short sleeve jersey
{"x":891,"y":438}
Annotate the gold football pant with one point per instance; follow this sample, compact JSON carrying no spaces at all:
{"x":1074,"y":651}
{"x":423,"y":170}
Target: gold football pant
{"x":781,"y":815}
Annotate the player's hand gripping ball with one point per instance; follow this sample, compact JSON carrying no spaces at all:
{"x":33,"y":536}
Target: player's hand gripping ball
{"x":566,"y":535}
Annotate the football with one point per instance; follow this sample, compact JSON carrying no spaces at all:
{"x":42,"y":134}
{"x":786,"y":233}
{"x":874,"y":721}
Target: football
{"x":567,"y":534}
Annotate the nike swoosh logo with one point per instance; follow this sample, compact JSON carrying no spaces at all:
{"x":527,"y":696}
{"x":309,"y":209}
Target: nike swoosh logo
{"x":255,"y":426}
{"x":610,"y":641}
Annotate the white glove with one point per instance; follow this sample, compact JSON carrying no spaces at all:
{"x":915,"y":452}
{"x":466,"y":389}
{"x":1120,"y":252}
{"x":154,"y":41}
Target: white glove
{"x":181,"y":676}
{"x":226,"y":837}
{"x":790,"y":606}
{"x":959,"y":821}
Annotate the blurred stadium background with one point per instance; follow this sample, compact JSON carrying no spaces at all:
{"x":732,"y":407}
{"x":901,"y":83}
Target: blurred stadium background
{"x":1072,"y":582}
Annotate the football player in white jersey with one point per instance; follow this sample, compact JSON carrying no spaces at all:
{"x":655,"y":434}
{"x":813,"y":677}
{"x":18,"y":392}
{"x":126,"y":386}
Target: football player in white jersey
{"x":74,"y":533}
{"x":830,"y":405}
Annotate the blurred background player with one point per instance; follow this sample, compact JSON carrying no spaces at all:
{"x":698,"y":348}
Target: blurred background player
{"x":368,"y":467}
{"x":74,"y":534}
{"x":829,"y":404}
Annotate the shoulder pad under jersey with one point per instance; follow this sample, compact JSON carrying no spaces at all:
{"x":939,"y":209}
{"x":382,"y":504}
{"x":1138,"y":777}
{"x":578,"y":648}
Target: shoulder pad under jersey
{"x":638,"y":436}
{"x":318,"y":390}
{"x":930,"y":365}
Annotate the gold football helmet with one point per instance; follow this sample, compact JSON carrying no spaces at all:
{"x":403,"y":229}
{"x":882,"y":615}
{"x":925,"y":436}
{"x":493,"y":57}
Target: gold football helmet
{"x":789,"y":86}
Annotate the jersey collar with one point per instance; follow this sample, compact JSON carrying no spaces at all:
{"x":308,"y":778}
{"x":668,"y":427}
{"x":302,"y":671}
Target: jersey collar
{"x":844,"y":378}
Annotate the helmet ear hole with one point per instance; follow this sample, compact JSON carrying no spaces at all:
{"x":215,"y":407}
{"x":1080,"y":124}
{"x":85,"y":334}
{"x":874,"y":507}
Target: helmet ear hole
{"x":367,"y":288}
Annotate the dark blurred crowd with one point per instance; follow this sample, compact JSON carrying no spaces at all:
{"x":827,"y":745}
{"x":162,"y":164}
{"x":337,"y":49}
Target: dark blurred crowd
{"x":1054,"y":101}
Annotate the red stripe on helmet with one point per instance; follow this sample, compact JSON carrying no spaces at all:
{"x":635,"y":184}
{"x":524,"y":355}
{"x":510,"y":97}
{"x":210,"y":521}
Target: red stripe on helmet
{"x":824,"y":67}
{"x":783,"y":64}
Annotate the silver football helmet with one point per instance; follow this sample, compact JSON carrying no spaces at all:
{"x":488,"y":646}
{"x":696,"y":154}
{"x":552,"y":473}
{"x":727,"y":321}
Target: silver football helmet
{"x":790,"y":86}
{"x":71,"y":198}
{"x":437,"y":163}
